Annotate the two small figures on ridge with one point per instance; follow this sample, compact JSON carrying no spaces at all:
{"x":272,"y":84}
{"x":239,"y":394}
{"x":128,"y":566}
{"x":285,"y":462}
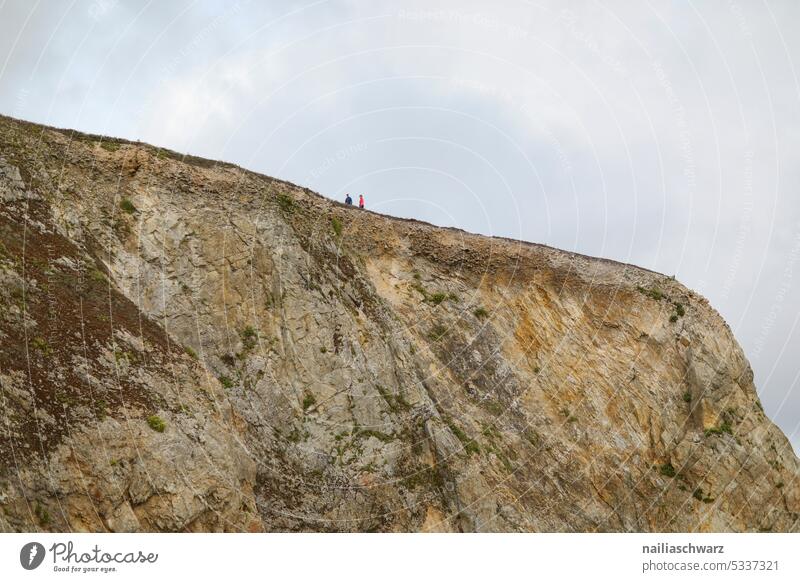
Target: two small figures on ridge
{"x":349,"y":201}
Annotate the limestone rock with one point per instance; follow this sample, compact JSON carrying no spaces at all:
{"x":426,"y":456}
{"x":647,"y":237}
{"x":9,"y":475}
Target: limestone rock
{"x":194,"y":347}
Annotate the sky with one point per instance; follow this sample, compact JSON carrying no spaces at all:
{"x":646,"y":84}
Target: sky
{"x":664,"y":134}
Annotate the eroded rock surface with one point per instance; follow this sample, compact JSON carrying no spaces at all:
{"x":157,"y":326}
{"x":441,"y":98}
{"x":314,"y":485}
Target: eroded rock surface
{"x":316,"y":367}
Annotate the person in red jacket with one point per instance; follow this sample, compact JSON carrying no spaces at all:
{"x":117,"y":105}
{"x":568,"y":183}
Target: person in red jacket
{"x":361,"y":201}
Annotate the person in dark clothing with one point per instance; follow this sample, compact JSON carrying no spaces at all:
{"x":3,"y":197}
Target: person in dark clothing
{"x":348,"y":200}
{"x":361,"y":201}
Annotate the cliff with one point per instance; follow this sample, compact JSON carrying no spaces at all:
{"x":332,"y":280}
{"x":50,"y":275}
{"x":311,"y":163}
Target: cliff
{"x":189,"y":346}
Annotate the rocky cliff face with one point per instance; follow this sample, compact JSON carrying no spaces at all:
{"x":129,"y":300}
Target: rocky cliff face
{"x":185,"y":345}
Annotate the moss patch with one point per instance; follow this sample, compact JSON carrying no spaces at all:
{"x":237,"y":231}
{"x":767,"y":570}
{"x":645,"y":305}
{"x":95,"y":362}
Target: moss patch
{"x":156,"y":423}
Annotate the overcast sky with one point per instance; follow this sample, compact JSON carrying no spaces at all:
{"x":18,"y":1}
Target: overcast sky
{"x":657,"y":133}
